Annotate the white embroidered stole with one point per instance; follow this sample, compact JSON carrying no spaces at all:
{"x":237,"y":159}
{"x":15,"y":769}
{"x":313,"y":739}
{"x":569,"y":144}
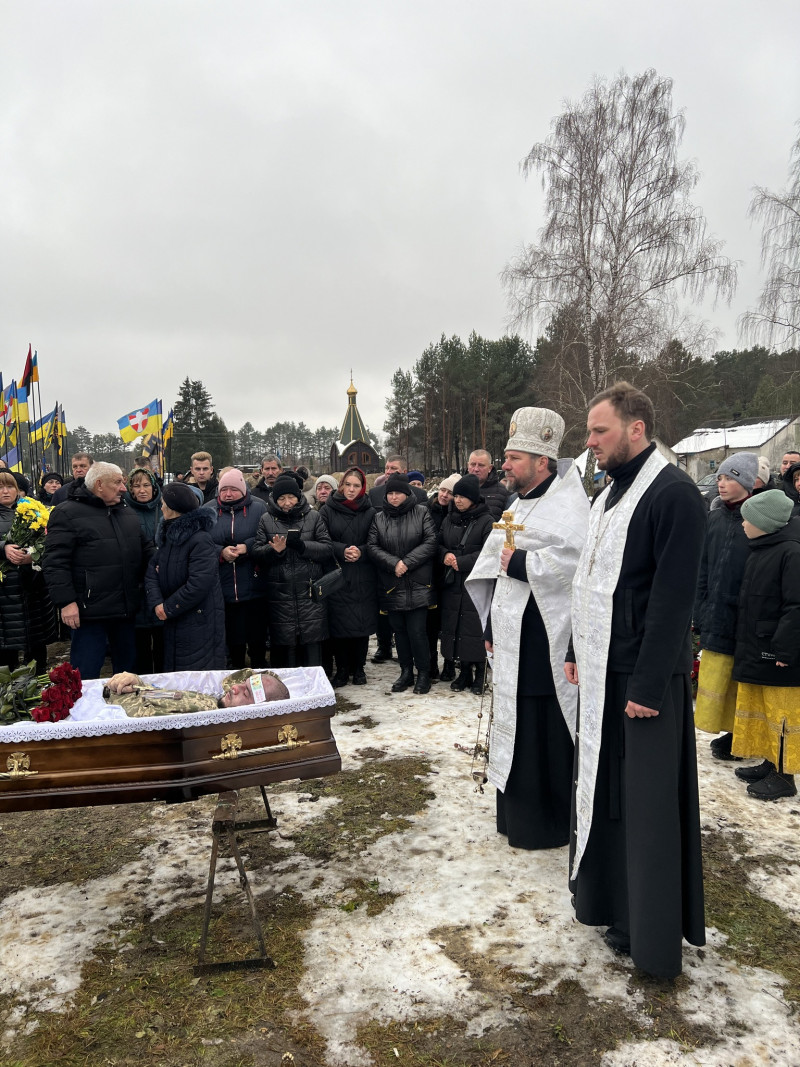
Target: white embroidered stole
{"x":592,"y":604}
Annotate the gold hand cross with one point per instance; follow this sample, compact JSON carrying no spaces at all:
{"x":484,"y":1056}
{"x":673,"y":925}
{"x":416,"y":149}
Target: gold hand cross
{"x":509,"y":526}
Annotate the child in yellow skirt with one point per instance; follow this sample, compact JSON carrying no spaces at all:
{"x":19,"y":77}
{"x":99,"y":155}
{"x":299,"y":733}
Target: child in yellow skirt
{"x":767,"y":655}
{"x":722,"y":564}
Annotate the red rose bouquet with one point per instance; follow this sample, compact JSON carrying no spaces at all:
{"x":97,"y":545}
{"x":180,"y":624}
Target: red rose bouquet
{"x":43,"y":698}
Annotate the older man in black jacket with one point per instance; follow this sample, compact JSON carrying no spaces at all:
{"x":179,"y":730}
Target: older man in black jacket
{"x":94,"y":559}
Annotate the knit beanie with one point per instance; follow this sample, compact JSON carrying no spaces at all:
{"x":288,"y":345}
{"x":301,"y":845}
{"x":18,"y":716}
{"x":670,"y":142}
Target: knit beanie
{"x":179,"y":497}
{"x":326,"y":479}
{"x":398,"y":483}
{"x":742,"y":467}
{"x":470,"y":487}
{"x":416,"y":476}
{"x":451,"y":482}
{"x":50,"y":476}
{"x":763,"y":469}
{"x":286,"y":485}
{"x":768,"y":511}
{"x":232,"y":479}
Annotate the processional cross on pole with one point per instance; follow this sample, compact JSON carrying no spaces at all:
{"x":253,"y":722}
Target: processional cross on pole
{"x":509,"y":526}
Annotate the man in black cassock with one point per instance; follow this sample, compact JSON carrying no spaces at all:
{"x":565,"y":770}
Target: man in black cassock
{"x":635,"y":855}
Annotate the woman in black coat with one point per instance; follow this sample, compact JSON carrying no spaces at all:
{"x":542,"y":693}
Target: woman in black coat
{"x":49,"y":483}
{"x":467,"y":525}
{"x":402,"y":544}
{"x":27,"y":616}
{"x":182,"y":584}
{"x":237,"y":515}
{"x":352,"y":610}
{"x":292,"y":548}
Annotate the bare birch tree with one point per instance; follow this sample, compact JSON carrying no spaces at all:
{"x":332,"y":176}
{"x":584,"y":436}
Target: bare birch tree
{"x":622,"y":245}
{"x":776,"y":320}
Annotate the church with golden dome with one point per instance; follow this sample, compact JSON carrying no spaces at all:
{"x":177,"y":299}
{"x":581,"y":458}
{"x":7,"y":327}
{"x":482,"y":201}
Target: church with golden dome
{"x":352,"y":448}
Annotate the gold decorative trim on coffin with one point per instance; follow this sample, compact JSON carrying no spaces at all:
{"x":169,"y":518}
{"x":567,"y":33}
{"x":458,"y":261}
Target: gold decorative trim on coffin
{"x":231,"y":744}
{"x":18,"y":764}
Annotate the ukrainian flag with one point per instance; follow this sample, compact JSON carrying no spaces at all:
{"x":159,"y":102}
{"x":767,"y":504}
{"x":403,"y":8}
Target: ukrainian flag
{"x":141,"y":421}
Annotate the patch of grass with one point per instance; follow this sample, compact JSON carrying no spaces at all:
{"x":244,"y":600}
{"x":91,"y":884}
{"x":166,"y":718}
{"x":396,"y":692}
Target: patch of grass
{"x":344,"y":706}
{"x":358,"y":892}
{"x":365,"y":722}
{"x":760,"y":934}
{"x":145,"y":1005}
{"x":70,"y":845}
{"x":375,"y":800}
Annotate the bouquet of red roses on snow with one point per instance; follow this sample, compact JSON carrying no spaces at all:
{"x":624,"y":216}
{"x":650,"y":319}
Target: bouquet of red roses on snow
{"x":43,"y":697}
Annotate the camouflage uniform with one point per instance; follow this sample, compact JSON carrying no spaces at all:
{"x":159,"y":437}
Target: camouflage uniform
{"x":144,"y":702}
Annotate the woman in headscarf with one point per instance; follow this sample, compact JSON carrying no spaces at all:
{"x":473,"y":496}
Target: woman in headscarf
{"x":352,"y":610}
{"x":293,"y":548}
{"x":182,"y":584}
{"x":438,"y":505}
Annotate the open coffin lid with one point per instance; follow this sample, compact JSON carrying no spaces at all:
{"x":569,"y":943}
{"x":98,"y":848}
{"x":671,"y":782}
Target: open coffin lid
{"x":101,"y":756}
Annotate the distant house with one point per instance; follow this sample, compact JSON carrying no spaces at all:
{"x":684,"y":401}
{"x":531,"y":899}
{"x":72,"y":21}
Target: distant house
{"x":353,"y":448}
{"x":702,"y":451}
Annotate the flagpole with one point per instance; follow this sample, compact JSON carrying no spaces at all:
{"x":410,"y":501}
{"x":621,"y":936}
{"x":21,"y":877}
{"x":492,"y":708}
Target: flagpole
{"x":35,"y":378}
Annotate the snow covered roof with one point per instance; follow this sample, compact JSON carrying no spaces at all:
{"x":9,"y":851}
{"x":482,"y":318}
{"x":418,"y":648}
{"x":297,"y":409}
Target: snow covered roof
{"x":752,"y":435}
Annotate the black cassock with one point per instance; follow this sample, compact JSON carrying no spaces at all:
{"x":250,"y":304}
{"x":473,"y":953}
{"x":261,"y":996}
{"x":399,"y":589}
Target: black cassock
{"x":642,"y":869}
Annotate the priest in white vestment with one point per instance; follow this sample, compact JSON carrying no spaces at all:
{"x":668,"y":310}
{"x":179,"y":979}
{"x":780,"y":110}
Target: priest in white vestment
{"x":523,"y":597}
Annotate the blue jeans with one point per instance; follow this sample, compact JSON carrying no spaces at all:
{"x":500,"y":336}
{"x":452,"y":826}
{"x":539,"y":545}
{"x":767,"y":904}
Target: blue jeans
{"x":87,"y":650}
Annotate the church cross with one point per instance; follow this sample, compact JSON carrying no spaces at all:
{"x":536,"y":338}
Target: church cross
{"x":509,"y":526}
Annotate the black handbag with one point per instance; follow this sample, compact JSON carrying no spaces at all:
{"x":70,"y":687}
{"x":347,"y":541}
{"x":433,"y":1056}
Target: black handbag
{"x":328,"y":583}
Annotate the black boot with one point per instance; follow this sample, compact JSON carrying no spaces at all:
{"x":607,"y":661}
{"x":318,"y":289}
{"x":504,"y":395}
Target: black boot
{"x":755,"y":774}
{"x":382,"y":655}
{"x":721,"y":748}
{"x":448,"y":671}
{"x":434,"y":669}
{"x":405,"y":681}
{"x":773,"y":787}
{"x":423,"y":683}
{"x":464,"y":680}
{"x":480,"y":675}
{"x":340,"y":678}
{"x":359,"y":678}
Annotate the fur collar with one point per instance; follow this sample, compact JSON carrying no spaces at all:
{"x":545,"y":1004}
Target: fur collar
{"x":178,"y":531}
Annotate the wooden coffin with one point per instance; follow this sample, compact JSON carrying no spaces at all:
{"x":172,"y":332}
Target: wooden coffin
{"x":168,"y":764}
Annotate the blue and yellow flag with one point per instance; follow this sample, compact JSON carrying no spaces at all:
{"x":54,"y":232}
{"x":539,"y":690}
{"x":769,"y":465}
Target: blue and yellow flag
{"x":169,"y":429}
{"x":42,"y":430}
{"x":141,"y":421}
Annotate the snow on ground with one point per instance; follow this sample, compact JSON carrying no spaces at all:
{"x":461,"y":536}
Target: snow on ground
{"x":451,"y":872}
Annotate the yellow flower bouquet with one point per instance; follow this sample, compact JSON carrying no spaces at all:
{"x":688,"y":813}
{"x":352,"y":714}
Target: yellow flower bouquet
{"x":28,"y":530}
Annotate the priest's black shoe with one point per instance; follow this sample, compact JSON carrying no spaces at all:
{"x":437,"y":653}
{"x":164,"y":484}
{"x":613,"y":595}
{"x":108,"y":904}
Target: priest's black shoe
{"x":340,"y":678}
{"x":359,"y":678}
{"x":618,"y":940}
{"x":423,"y":683}
{"x":721,"y":748}
{"x":448,"y":671}
{"x":464,"y":680}
{"x":382,"y":655}
{"x":405,"y":681}
{"x":774,"y":787}
{"x":480,"y":675}
{"x":755,"y":774}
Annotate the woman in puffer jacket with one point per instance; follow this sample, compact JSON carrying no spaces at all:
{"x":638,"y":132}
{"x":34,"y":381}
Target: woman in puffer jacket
{"x":293,"y":548}
{"x":237,"y":516}
{"x":402,"y":544}
{"x":464,"y":530}
{"x":352,"y":610}
{"x":182,"y":584}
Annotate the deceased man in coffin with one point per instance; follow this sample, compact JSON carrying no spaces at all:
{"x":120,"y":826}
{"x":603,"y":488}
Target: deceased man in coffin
{"x":172,"y":737}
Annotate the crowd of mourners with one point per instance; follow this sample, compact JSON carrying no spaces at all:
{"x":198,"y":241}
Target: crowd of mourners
{"x":213,"y":570}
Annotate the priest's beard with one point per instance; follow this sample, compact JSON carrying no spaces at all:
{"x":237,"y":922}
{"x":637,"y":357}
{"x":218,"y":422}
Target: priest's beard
{"x":618,"y":458}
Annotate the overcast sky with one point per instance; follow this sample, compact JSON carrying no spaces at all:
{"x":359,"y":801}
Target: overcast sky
{"x":264,"y":194}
